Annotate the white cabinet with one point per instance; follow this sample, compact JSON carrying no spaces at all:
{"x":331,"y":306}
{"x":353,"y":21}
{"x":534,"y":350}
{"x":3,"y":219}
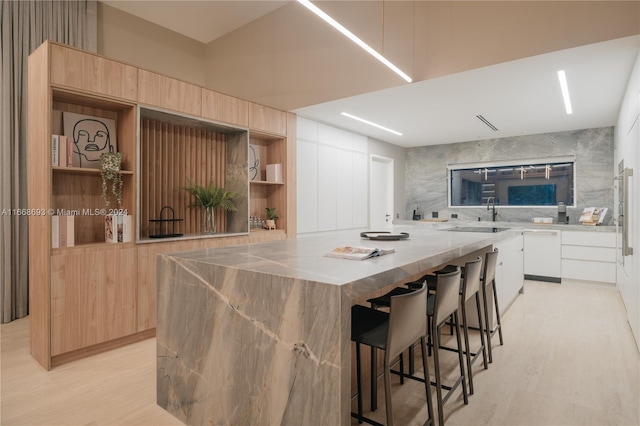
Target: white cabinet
{"x":509,"y":280}
{"x":510,"y":271}
{"x":307,"y":186}
{"x":332,"y":178}
{"x":542,"y":255}
{"x":589,"y":256}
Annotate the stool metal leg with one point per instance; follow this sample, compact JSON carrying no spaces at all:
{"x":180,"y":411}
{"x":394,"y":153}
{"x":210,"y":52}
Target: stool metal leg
{"x":374,"y":379}
{"x":495,"y":298}
{"x":482,"y":341}
{"x":465,"y":330}
{"x":359,"y":384}
{"x":487,"y":329}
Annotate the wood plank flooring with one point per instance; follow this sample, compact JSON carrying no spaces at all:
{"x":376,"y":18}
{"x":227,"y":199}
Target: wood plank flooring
{"x":569,"y":359}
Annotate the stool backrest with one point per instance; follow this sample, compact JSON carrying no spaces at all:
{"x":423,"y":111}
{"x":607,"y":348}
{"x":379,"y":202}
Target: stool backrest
{"x":490,"y":262}
{"x":471,"y":280}
{"x":407,"y":321}
{"x":447,"y":296}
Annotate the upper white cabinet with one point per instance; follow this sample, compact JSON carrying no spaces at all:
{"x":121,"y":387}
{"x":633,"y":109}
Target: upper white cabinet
{"x":332,"y":178}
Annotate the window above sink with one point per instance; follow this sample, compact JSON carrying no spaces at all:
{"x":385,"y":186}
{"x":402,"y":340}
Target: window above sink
{"x":522,"y":183}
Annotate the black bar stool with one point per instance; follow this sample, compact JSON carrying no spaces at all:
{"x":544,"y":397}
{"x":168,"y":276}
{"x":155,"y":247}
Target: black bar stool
{"x":442,"y":306}
{"x":406,"y":325}
{"x":489,"y":279}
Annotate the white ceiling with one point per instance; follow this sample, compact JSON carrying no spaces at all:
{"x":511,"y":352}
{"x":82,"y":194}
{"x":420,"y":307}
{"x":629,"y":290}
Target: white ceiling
{"x":518,"y":97}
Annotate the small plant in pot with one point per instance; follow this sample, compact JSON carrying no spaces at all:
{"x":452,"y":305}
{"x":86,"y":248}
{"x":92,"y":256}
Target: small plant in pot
{"x":271,"y":217}
{"x":210,"y":197}
{"x":110,"y":170}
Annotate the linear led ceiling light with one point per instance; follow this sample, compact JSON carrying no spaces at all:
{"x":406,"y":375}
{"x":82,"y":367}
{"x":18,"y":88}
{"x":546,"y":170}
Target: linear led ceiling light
{"x":565,"y":91}
{"x":346,"y":114}
{"x":335,"y":24}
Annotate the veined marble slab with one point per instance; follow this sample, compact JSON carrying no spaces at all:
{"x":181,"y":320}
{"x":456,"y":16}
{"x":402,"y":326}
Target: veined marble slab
{"x":260,"y":334}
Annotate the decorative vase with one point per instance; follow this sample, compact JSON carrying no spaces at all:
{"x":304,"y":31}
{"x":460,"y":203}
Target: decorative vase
{"x":208,"y":223}
{"x":270,"y":224}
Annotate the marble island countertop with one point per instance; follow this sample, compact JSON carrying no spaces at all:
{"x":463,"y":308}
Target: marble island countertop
{"x":449,"y":223}
{"x":303,"y":258}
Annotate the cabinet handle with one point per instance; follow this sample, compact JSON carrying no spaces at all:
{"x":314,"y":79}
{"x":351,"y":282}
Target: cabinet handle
{"x":541,"y":232}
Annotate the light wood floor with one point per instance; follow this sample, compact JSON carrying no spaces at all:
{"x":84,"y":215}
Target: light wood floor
{"x":569,"y":359}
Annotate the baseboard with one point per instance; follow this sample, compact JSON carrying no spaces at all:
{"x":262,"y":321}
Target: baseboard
{"x":542,"y":278}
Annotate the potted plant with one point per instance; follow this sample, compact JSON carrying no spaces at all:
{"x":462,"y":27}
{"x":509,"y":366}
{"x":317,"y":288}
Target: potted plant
{"x":210,"y":197}
{"x":110,"y":170}
{"x":271,"y":217}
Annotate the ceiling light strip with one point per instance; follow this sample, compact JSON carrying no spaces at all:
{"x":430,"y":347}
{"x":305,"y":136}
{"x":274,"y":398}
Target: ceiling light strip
{"x":362,"y":120}
{"x":565,"y":91}
{"x":335,"y":24}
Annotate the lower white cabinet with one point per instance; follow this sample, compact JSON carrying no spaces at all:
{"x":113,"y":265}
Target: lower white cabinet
{"x":509,"y":280}
{"x":542,"y":254}
{"x":589,"y":256}
{"x":509,"y":271}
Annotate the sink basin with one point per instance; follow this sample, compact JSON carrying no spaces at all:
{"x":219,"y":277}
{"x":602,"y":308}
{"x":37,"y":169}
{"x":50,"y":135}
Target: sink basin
{"x":487,"y":229}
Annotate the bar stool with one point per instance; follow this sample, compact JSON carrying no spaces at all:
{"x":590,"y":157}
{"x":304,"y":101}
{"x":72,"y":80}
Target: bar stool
{"x":406,"y":325}
{"x":441,"y":307}
{"x":364,"y":320}
{"x":489,"y":278}
{"x":469,"y":287}
{"x":384,"y":301}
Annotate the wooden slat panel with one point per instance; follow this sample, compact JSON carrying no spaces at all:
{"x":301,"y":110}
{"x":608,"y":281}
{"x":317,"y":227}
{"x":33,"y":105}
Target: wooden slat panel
{"x":173,"y":153}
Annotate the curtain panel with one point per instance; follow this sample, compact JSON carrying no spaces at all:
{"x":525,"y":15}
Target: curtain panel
{"x":24,"y":25}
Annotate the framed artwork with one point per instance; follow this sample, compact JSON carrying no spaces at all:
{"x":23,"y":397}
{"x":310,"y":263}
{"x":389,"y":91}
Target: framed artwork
{"x":254,"y":162}
{"x":91,"y":137}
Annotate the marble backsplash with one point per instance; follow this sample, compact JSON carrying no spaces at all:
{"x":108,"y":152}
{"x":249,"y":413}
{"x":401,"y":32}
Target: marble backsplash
{"x":426,"y":172}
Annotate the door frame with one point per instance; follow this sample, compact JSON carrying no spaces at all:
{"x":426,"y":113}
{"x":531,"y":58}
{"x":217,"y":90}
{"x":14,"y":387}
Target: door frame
{"x":390,"y":166}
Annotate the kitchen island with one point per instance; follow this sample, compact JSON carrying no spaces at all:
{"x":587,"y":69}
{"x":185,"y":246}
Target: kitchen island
{"x":260,"y":333}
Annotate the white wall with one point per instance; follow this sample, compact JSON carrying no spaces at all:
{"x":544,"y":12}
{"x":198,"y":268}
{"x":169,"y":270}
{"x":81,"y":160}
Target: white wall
{"x":627,"y":141}
{"x":333,"y":177}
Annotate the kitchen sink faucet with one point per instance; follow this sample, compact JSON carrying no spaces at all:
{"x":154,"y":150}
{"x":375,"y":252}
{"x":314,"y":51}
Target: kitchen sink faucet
{"x":492,"y":201}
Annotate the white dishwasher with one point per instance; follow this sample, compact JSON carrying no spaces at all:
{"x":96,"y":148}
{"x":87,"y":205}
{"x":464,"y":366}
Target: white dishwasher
{"x":543,"y":255}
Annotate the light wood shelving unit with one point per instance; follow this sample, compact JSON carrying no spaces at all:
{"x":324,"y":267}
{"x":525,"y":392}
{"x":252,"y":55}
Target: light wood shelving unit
{"x":96,"y":295}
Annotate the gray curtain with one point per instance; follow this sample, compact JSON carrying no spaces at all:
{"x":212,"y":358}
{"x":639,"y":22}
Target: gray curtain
{"x":24,"y":25}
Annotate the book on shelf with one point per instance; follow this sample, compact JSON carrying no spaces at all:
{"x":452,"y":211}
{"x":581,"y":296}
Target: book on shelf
{"x":357,"y":253}
{"x":55,"y":150}
{"x":62,"y":231}
{"x":61,"y":151}
{"x":117,"y":228}
{"x":593,"y":215}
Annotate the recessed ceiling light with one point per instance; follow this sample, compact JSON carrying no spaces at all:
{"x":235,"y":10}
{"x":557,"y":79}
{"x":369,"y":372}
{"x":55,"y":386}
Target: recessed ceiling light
{"x":565,"y":91}
{"x":346,"y":114}
{"x":335,"y":24}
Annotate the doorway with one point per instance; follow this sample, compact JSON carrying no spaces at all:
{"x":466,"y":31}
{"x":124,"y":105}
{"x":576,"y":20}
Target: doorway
{"x":381,"y":193}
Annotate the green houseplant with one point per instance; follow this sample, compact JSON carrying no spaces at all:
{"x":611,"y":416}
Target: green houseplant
{"x":271,"y":217}
{"x":210,"y":197}
{"x":110,"y":170}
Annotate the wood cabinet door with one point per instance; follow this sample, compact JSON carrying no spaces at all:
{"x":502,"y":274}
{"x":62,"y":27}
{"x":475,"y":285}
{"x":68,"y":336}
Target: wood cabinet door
{"x":227,"y":109}
{"x":92,"y":73}
{"x":158,"y":90}
{"x":267,"y":119}
{"x":93,"y":296}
